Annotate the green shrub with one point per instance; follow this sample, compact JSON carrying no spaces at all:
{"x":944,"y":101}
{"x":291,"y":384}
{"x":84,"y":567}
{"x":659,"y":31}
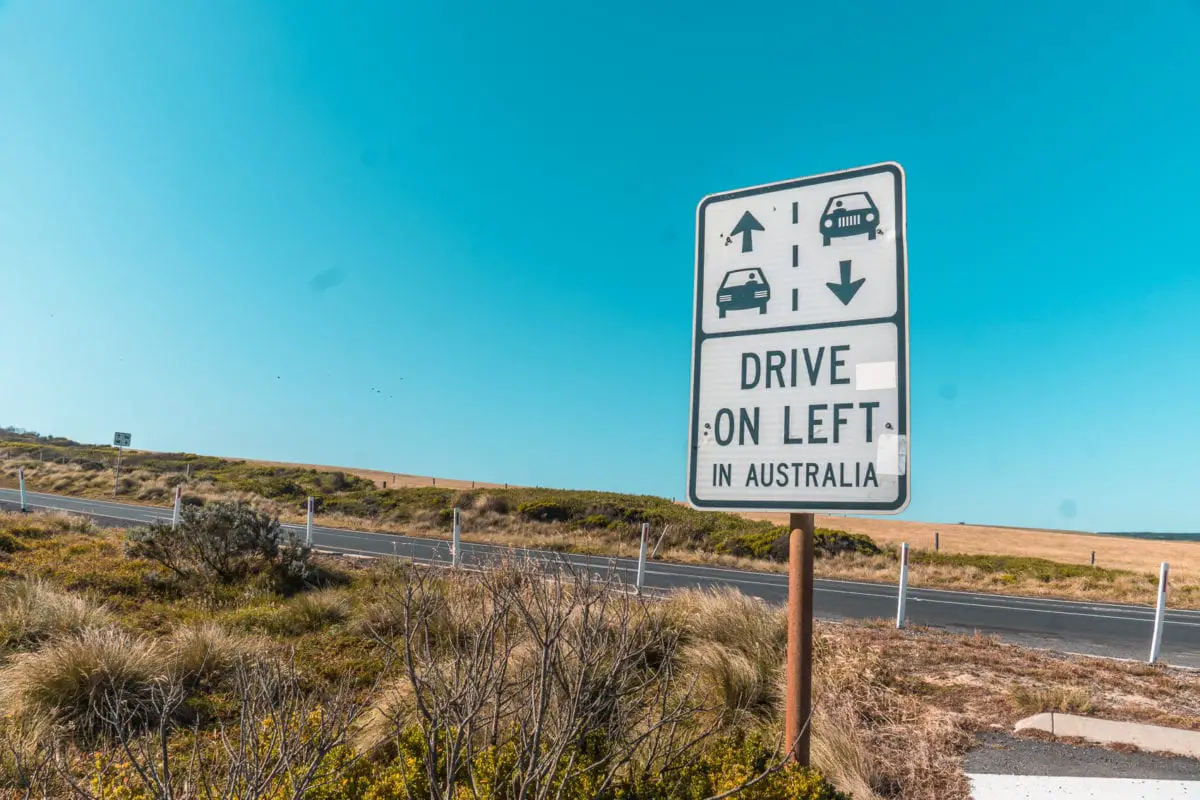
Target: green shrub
{"x":733,"y":762}
{"x":595,"y":521}
{"x":825,"y":543}
{"x":544,"y":512}
{"x":496,"y":504}
{"x":1016,"y":567}
{"x":723,"y":766}
{"x":153,"y":493}
{"x":225,"y":542}
{"x":350,"y":506}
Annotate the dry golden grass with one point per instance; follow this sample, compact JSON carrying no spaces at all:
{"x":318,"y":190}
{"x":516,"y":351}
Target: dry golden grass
{"x":1120,"y":587}
{"x":1065,"y":699}
{"x":32,"y":611}
{"x":1112,"y":552}
{"x":75,"y":681}
{"x":380,"y":477}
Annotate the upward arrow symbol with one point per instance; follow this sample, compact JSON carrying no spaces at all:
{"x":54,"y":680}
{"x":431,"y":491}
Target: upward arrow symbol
{"x":846,"y":290}
{"x":746,"y":227}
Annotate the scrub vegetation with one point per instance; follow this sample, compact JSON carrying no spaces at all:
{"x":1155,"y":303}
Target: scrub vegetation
{"x":599,"y":523}
{"x":127,"y":679}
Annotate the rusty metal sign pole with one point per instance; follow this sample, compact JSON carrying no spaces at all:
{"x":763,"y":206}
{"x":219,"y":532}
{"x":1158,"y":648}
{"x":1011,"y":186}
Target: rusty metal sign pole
{"x":797,"y":725}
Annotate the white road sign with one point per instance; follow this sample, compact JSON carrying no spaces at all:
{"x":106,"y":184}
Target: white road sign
{"x":122,"y":439}
{"x":800,"y":347}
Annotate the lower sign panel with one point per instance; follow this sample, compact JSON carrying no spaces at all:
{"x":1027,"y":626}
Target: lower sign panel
{"x":801,"y":420}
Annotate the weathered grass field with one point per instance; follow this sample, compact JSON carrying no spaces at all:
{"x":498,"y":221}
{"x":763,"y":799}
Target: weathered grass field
{"x":1112,"y":552}
{"x":971,"y":557}
{"x":894,"y":710}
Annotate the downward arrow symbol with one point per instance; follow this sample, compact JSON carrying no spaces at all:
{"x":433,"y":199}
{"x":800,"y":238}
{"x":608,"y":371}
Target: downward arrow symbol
{"x":846,"y":290}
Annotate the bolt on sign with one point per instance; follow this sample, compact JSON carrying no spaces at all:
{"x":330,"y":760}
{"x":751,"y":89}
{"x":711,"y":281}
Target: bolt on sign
{"x":800,"y":346}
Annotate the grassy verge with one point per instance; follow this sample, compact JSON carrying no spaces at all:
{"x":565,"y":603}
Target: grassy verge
{"x":598,"y":523}
{"x":894,"y":709}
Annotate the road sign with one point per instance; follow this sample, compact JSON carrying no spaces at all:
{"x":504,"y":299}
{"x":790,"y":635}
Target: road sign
{"x":800,"y":346}
{"x":122,"y":439}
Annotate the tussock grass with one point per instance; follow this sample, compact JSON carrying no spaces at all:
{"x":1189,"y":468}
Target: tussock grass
{"x":733,"y":646}
{"x":42,"y":524}
{"x":204,"y":652}
{"x":1064,"y":699}
{"x":734,"y":687}
{"x":315,"y":611}
{"x":303,"y":614}
{"x":32,"y":611}
{"x":730,"y":618}
{"x":76,"y":681}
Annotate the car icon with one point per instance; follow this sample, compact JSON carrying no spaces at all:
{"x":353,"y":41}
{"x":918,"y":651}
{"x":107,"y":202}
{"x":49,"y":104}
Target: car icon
{"x":743,"y":289}
{"x":849,"y":215}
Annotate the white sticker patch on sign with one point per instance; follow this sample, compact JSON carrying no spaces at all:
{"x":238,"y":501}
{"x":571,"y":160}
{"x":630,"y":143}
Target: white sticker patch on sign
{"x":875,"y":376}
{"x":892,"y":455}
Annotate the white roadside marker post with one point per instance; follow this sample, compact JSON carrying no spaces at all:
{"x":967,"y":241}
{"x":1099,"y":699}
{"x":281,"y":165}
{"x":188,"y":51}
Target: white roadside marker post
{"x":1160,"y":611}
{"x":641,"y":573}
{"x":456,"y":541}
{"x":308,"y":524}
{"x":117,"y":471}
{"x":21,"y":478}
{"x":178,"y":504}
{"x":902,"y":598}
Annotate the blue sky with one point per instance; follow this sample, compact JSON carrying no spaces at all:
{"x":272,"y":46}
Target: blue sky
{"x":224,"y":224}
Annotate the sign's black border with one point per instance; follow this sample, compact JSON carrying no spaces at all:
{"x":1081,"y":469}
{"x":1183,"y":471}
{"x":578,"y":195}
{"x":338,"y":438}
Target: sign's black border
{"x":900,"y":318}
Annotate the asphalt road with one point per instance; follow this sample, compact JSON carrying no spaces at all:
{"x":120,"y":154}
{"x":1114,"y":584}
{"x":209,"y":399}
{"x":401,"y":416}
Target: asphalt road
{"x":1102,"y":629}
{"x":999,"y":753}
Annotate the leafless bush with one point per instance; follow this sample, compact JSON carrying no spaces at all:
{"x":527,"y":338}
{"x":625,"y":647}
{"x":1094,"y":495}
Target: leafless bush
{"x":574,"y":678}
{"x":277,"y":743}
{"x":26,"y":766}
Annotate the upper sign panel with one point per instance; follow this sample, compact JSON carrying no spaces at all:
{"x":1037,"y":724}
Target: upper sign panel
{"x":815,"y":251}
